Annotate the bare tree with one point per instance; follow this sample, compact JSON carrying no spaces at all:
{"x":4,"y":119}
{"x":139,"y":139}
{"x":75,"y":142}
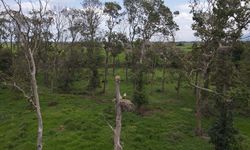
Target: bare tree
{"x":29,"y":29}
{"x":118,"y":112}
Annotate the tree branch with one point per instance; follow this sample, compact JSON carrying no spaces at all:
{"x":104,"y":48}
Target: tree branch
{"x":108,"y":123}
{"x":29,"y":98}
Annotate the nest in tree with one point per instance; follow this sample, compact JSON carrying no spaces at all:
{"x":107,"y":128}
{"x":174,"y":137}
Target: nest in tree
{"x":127,"y":105}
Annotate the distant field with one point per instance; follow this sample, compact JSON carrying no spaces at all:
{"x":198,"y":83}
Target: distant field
{"x":187,"y":47}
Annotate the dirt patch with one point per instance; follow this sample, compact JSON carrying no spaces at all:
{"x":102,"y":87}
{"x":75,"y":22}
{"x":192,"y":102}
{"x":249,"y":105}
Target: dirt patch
{"x":61,"y":128}
{"x":51,"y":104}
{"x":146,"y":111}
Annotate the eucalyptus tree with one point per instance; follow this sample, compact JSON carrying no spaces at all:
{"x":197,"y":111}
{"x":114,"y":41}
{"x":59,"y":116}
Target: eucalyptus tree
{"x":165,"y":60}
{"x":117,"y":46}
{"x":220,"y":24}
{"x":146,"y":19}
{"x":67,"y":24}
{"x":90,"y":20}
{"x":29,"y":29}
{"x":72,"y":22}
{"x":44,"y":56}
{"x":59,"y":37}
{"x":114,"y":13}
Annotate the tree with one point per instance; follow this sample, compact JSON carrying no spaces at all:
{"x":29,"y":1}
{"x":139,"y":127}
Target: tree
{"x":29,"y":30}
{"x":60,"y":23}
{"x":221,"y":23}
{"x":118,"y":111}
{"x":146,"y":18}
{"x":90,"y":21}
{"x":113,"y":11}
{"x":117,"y":46}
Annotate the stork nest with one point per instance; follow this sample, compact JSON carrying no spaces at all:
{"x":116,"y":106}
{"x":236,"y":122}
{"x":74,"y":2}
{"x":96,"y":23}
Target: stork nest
{"x":127,"y":105}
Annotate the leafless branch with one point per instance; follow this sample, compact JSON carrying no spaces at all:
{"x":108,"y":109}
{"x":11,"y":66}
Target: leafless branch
{"x":108,"y":123}
{"x":29,"y":98}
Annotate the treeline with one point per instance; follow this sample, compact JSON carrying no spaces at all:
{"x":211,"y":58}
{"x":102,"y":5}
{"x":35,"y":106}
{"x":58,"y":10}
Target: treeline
{"x":60,"y":45}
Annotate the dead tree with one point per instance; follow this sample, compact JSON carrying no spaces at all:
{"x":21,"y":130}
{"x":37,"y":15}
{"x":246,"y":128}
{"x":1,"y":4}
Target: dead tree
{"x":121,"y":105}
{"x":29,"y":29}
{"x":118,"y":113}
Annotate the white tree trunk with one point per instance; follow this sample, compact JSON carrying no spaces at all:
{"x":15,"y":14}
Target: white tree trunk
{"x":118,"y":125}
{"x":36,"y":101}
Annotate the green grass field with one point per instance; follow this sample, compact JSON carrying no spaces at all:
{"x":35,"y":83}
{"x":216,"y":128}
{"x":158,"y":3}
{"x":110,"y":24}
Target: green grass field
{"x":187,"y":47}
{"x":74,"y":122}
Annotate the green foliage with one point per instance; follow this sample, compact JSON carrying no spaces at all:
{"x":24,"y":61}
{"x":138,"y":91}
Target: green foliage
{"x":240,"y":96}
{"x":70,"y":65}
{"x":5,"y":60}
{"x":222,"y":133}
{"x":244,"y":67}
{"x":112,"y":9}
{"x":139,"y":95}
{"x":93,"y":62}
{"x":180,"y":44}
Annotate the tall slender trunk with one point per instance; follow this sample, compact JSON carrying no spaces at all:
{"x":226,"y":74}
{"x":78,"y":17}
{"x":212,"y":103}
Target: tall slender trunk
{"x":195,"y":82}
{"x":118,"y":120}
{"x":106,"y":71}
{"x":153,"y":74}
{"x":163,"y":79}
{"x":54,"y":75}
{"x":126,"y":72}
{"x":36,"y":100}
{"x":204,"y":93}
{"x":126,"y":66}
{"x":178,"y":85}
{"x":114,"y":65}
{"x":198,"y":129}
{"x":152,"y":81}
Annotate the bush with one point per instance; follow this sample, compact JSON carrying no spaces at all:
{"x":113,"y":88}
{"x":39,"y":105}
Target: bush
{"x":139,"y":96}
{"x":223,"y":134}
{"x":5,"y":61}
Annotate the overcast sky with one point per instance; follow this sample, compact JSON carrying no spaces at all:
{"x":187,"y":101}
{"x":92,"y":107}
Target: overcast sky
{"x":184,"y":19}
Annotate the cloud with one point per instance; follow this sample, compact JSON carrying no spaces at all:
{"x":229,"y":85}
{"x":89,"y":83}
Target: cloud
{"x":67,"y":3}
{"x":183,"y":7}
{"x":184,"y":20}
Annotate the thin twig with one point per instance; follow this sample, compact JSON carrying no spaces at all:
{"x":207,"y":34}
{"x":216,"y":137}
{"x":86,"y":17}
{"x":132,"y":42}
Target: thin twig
{"x":108,"y":123}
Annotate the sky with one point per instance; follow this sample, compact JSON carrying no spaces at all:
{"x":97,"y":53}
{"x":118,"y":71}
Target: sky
{"x":184,"y":19}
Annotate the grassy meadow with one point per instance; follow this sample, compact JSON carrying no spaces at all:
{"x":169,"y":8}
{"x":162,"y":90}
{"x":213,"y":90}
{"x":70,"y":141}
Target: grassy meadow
{"x":79,"y":121}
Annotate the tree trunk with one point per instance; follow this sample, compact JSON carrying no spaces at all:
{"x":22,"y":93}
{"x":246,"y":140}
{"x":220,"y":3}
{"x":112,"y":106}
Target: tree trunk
{"x":118,"y":121}
{"x":46,"y":77}
{"x":152,"y":81}
{"x":198,"y":129}
{"x":126,"y":69}
{"x":196,"y":79}
{"x":126,"y":72}
{"x":205,"y":94}
{"x":54,"y":74}
{"x":114,"y":66}
{"x":106,"y":72}
{"x":163,"y":79}
{"x":37,"y":102}
{"x":178,"y":85}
